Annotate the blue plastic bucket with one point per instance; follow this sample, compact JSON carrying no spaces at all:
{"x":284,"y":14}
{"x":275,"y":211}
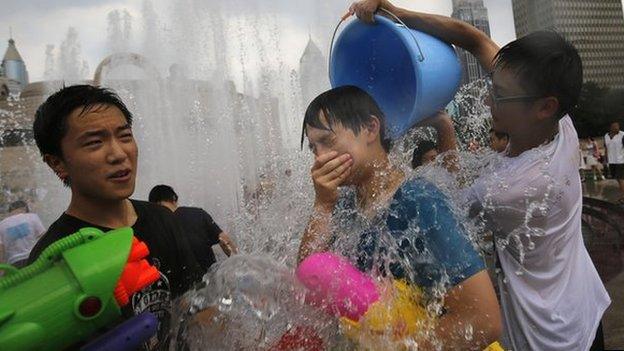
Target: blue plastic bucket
{"x":410,"y":74}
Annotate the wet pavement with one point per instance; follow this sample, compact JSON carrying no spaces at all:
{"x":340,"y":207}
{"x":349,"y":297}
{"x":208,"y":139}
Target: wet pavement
{"x":603,"y":231}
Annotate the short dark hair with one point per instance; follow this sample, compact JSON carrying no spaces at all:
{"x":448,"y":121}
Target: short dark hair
{"x":421,"y":149}
{"x":499,"y":135}
{"x":162,"y":192}
{"x":50,"y":123}
{"x":348,"y":105}
{"x":17,"y":205}
{"x":548,"y":64}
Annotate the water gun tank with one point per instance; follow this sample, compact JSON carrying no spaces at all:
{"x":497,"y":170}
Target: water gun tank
{"x":76,"y":287}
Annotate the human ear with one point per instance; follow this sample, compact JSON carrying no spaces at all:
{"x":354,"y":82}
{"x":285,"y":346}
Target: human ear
{"x":57,"y":165}
{"x":372,"y":129}
{"x":548,"y":108}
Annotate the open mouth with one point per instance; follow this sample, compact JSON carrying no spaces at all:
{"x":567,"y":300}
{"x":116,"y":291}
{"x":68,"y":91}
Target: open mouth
{"x":122,"y":175}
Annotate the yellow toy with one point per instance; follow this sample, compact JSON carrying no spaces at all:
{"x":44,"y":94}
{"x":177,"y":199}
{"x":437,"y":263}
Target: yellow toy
{"x":374,"y":317}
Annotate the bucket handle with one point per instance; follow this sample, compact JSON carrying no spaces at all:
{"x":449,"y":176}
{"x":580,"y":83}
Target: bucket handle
{"x":421,"y":56}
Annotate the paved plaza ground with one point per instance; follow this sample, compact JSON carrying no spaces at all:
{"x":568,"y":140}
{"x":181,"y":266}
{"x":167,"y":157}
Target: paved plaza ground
{"x":606,"y":247}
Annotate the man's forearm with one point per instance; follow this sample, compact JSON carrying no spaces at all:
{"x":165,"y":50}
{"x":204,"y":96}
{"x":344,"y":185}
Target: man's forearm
{"x":452,"y":31}
{"x":318,"y":236}
{"x":447,"y":142}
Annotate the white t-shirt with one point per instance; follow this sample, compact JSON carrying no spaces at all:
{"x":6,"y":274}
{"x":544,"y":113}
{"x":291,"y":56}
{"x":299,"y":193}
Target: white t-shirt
{"x":615,"y":148}
{"x":19,"y":234}
{"x":551,"y":295}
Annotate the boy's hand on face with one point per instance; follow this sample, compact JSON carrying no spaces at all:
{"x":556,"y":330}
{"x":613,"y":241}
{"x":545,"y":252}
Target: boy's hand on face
{"x":329,"y":171}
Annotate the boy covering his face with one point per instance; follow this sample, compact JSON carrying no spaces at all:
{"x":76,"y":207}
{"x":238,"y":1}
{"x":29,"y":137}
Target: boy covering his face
{"x":410,"y":217}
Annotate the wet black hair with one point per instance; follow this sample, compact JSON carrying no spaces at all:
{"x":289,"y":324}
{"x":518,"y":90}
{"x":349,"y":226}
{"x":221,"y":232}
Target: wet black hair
{"x":50,"y":124}
{"x":162,"y":192}
{"x":348,"y":105}
{"x":421,"y":149}
{"x":547,"y":64}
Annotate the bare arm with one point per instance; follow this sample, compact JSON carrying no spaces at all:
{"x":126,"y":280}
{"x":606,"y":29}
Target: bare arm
{"x":328,"y":173}
{"x":448,"y":29}
{"x":446,"y":143}
{"x":317,"y":236}
{"x":470,"y":305}
{"x":227,"y":245}
{"x":2,"y":254}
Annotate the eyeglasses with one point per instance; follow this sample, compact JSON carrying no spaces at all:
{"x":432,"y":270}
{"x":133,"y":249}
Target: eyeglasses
{"x":496,"y":99}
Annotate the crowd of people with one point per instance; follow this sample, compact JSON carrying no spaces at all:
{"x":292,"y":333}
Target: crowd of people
{"x":549,"y":296}
{"x":604,"y":158}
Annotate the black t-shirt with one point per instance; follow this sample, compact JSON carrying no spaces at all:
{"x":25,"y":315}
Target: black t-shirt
{"x":201,"y":231}
{"x":170,"y":252}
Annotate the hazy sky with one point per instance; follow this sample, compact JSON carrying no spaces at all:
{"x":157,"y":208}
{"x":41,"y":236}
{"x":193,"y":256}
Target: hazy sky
{"x":36,"y":23}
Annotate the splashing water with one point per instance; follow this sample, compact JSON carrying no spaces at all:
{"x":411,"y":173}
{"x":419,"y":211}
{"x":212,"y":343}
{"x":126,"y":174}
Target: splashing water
{"x":223,"y":128}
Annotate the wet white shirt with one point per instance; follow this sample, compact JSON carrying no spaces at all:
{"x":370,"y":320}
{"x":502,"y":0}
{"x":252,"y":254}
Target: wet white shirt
{"x":551,"y":295}
{"x":615,"y":148}
{"x":19,"y":234}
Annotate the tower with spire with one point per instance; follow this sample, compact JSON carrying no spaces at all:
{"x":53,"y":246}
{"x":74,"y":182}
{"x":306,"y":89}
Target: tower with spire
{"x":13,"y":69}
{"x":313,"y":76}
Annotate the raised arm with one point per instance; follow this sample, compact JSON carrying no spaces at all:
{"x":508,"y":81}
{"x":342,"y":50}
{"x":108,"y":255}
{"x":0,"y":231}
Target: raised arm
{"x":446,"y":139}
{"x":328,"y":173}
{"x":318,"y":235}
{"x":448,"y":29}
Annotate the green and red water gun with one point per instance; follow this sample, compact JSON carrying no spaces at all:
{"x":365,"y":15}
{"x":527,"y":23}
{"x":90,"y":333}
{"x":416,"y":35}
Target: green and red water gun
{"x":76,"y":287}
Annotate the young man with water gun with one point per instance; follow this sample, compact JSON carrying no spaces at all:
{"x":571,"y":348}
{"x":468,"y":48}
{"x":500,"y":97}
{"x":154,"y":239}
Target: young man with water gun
{"x":395,"y":217}
{"x":551,"y":295}
{"x":84,"y":134}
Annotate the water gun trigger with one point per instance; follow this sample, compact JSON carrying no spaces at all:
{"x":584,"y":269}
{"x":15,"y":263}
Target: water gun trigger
{"x":137,"y":274}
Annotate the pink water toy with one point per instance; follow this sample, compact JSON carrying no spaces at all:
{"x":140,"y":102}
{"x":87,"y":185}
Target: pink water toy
{"x":336,"y":285}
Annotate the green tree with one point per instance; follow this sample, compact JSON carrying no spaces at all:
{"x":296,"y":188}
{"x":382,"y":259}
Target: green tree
{"x":597,"y":108}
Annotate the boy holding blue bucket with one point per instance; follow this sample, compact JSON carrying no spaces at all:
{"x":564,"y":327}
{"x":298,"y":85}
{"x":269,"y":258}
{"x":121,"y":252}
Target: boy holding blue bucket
{"x":393,"y":217}
{"x":551,"y":295}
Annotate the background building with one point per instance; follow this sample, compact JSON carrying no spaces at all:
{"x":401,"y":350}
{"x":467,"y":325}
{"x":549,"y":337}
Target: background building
{"x":313,"y":74}
{"x":475,"y":13}
{"x":595,"y":27}
{"x":13,"y":74}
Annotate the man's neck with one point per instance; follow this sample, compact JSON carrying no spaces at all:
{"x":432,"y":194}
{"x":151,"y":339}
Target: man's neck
{"x":108,"y":214}
{"x":380,"y":184}
{"x":612,"y":134}
{"x":171,"y":206}
{"x":536,"y":137}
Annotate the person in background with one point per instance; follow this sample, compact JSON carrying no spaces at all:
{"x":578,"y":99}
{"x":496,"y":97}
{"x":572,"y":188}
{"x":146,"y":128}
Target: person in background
{"x":19,"y":233}
{"x":199,"y":227}
{"x":615,"y":156}
{"x":592,"y":159}
{"x":424,"y":153}
{"x":498,"y":141}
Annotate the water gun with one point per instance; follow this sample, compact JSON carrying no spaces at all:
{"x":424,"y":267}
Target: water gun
{"x":335,"y":285}
{"x":76,"y":287}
